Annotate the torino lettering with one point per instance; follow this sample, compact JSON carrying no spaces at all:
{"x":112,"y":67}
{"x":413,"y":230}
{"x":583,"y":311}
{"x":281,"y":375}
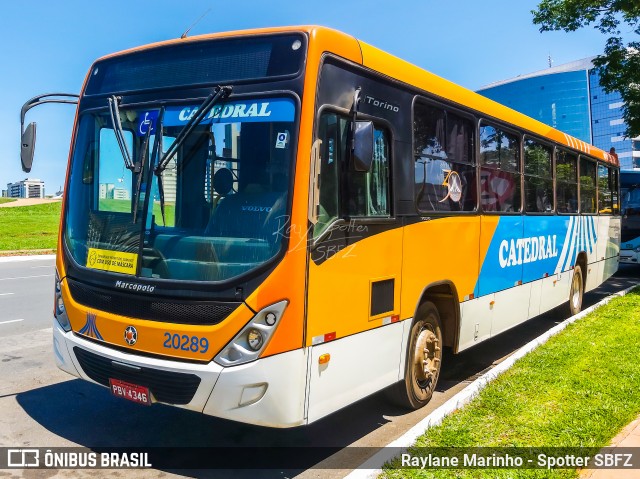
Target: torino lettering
{"x":527,"y":250}
{"x":381,"y":104}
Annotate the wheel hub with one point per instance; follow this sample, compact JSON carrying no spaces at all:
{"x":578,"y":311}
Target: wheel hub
{"x":426,"y":357}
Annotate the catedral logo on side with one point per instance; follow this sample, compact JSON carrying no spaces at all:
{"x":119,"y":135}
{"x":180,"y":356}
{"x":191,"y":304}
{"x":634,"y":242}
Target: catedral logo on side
{"x":527,"y":250}
{"x":116,"y":261}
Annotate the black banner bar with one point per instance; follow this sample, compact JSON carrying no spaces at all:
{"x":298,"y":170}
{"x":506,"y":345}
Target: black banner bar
{"x":246,"y":458}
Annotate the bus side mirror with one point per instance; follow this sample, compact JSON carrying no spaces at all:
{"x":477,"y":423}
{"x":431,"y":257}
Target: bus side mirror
{"x":363,"y":146}
{"x":28,"y":140}
{"x":27,"y":147}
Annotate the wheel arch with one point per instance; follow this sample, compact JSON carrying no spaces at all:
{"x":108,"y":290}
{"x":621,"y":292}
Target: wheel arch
{"x":444,"y":295}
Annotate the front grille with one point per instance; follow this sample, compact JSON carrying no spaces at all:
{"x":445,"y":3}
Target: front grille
{"x":154,"y":309}
{"x":165,"y":386}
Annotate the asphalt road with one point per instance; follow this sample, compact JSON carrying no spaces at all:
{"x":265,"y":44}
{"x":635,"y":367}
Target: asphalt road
{"x":26,"y":295}
{"x":42,"y":406}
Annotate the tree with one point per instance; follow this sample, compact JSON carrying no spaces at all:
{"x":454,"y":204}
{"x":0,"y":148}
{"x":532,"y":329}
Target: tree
{"x":619,"y":65}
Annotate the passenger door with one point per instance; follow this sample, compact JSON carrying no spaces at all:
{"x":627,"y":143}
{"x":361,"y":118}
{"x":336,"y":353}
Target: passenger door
{"x":354,"y":273}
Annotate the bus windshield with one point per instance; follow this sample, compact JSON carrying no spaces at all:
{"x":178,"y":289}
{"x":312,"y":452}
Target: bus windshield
{"x":630,"y":198}
{"x":212,"y":214}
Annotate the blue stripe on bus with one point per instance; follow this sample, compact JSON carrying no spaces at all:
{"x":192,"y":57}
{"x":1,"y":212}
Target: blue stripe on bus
{"x":528,"y":248}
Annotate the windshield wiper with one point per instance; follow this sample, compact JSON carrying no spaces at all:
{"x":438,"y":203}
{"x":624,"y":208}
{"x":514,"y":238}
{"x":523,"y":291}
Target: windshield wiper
{"x":220,"y":93}
{"x":139,"y":166}
{"x":114,"y":111}
{"x":159,"y":146}
{"x":164,"y":159}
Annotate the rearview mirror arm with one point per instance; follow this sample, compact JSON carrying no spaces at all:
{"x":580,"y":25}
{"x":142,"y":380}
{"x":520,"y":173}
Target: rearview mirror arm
{"x":71,"y":98}
{"x":354,"y":113}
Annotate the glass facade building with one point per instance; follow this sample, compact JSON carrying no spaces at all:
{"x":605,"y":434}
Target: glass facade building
{"x":569,"y":97}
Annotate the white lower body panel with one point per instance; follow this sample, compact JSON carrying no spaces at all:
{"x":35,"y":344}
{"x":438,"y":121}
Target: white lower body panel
{"x":268,"y":392}
{"x":360,"y":365}
{"x":494,"y":313}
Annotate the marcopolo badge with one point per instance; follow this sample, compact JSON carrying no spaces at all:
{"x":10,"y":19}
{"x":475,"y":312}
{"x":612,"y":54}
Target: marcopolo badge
{"x":130,"y":335}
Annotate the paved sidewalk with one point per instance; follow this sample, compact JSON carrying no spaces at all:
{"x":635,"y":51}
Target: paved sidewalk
{"x":26,"y":254}
{"x":28,"y":202}
{"x":628,"y":437}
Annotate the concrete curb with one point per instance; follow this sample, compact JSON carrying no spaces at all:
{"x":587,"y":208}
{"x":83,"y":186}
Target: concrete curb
{"x":33,"y":257}
{"x":372,"y":467}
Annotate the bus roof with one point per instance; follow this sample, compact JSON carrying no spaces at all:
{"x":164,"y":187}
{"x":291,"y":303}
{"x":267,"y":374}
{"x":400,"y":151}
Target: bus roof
{"x":400,"y":70}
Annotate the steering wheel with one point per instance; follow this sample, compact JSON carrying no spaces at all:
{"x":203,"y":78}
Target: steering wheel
{"x":223,"y":181}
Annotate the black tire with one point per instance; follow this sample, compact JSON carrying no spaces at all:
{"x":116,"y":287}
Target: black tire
{"x":424,"y":360}
{"x":576,"y":293}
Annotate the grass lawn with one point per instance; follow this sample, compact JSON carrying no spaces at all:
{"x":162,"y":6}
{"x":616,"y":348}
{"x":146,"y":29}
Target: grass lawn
{"x":7,"y":200}
{"x":124,"y":206}
{"x":36,"y":227}
{"x":29,"y":227}
{"x":577,"y":390}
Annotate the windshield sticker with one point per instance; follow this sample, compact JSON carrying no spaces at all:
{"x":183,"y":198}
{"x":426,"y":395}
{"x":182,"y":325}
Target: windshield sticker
{"x":272,"y":110}
{"x":147,"y":120}
{"x":115,"y":261}
{"x":282,"y":139}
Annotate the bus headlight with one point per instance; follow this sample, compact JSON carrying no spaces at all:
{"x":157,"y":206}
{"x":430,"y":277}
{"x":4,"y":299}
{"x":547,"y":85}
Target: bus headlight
{"x":59,"y":310}
{"x":255,"y":340}
{"x":251,"y":341}
{"x":59,"y":306}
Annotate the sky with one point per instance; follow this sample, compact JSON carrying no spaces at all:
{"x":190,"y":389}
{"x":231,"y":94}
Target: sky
{"x":49,"y":46}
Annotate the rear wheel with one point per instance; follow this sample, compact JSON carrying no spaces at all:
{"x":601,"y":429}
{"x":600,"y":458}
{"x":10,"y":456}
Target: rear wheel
{"x":577,"y":291}
{"x":424,"y":358}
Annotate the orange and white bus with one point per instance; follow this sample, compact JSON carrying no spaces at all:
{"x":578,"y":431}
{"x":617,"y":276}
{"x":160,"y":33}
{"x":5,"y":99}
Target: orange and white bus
{"x":269,"y":225}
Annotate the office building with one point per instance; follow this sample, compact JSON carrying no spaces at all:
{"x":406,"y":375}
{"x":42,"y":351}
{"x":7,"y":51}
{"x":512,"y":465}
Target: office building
{"x":27,"y":188}
{"x":569,"y":97}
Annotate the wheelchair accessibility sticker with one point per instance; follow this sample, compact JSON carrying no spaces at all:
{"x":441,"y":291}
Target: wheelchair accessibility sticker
{"x":147,"y":121}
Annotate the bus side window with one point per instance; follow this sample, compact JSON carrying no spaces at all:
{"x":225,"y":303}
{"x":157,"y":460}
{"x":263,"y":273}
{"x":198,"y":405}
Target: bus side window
{"x":587,"y":185}
{"x":606,"y":183}
{"x":566,"y":182}
{"x":538,"y":178}
{"x":615,"y":188}
{"x":333,"y":133}
{"x":368,"y":192}
{"x":445,"y":174}
{"x":500,"y":170}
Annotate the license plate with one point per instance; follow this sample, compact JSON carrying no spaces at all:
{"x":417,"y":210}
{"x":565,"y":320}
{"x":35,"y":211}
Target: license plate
{"x":132,"y":392}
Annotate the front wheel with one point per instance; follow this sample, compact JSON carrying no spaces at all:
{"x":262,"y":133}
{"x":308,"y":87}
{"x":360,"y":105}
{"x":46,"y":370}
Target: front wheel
{"x":424,"y":358}
{"x":577,"y":291}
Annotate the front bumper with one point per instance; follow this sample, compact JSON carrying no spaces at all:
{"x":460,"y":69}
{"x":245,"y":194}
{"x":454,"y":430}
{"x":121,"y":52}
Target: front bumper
{"x":267,"y":392}
{"x":629,"y":257}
